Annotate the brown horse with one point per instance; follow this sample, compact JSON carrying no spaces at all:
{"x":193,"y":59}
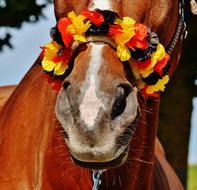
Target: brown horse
{"x":5,"y":93}
{"x":33,"y":151}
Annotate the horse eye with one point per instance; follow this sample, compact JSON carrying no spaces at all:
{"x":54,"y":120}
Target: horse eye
{"x":66,"y":85}
{"x":120,"y":103}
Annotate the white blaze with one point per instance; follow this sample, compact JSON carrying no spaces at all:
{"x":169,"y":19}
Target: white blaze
{"x":91,"y":104}
{"x":101,"y":4}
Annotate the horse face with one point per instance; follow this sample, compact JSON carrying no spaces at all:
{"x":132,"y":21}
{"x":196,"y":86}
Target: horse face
{"x":97,"y":108}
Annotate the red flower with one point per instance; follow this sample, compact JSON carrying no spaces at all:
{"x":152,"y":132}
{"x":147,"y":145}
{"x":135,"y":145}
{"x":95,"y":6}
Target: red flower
{"x":50,"y":80}
{"x":161,"y":64}
{"x":115,"y":30}
{"x":57,"y":85}
{"x":144,"y":64}
{"x":134,"y":42}
{"x":141,"y":31}
{"x":148,"y":95}
{"x":64,"y":56}
{"x":62,"y":25}
{"x":139,"y":40}
{"x":94,"y":16}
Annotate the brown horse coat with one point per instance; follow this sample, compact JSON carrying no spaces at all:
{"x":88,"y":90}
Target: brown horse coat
{"x":33,"y":152}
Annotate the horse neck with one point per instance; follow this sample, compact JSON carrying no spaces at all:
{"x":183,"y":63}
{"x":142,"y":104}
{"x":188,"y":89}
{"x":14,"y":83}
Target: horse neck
{"x":26,"y":121}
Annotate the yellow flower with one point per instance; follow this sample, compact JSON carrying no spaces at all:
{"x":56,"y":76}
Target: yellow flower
{"x":146,"y":72}
{"x":78,"y":26}
{"x":128,"y":31}
{"x":123,"y":52}
{"x":60,"y":68}
{"x":52,"y":61}
{"x":155,"y":57}
{"x":159,"y":86}
{"x":126,"y":23}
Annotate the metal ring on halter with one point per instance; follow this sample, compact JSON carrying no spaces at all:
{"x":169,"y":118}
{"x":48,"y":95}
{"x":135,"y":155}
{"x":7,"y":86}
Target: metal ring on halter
{"x":96,"y":176}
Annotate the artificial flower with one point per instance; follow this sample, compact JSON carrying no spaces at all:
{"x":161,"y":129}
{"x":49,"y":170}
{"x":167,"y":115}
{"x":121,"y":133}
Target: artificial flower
{"x":146,"y":72}
{"x":139,"y":39}
{"x":126,"y":23}
{"x":67,"y":36}
{"x":115,"y":30}
{"x":78,"y":26}
{"x":141,"y":31}
{"x":158,"y":55}
{"x":50,"y":80}
{"x":54,"y":60}
{"x":123,"y":52}
{"x":128,"y":30}
{"x":160,"y":86}
{"x":155,"y":57}
{"x":152,"y":79}
{"x":132,"y":39}
{"x":142,"y":65}
{"x":161,"y":64}
{"x":94,"y":16}
{"x":56,"y":83}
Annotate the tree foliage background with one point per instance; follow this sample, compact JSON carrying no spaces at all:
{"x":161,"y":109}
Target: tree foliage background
{"x":176,"y":103}
{"x":13,"y":13}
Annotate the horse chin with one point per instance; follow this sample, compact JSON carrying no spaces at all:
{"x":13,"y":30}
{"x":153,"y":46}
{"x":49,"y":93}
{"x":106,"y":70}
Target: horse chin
{"x":114,"y":163}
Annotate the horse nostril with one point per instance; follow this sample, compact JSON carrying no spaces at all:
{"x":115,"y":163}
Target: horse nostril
{"x":66,"y":85}
{"x":120,"y":103}
{"x":127,"y":88}
{"x":118,"y":107}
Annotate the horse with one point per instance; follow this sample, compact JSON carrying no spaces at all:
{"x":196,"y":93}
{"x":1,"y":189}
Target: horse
{"x":40,"y":148}
{"x":5,"y":93}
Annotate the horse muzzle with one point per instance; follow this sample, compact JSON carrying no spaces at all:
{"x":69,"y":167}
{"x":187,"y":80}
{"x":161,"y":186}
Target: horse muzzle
{"x":117,"y":160}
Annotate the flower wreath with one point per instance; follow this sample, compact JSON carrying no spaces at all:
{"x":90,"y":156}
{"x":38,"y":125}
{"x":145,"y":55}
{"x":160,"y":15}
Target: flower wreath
{"x":132,"y":39}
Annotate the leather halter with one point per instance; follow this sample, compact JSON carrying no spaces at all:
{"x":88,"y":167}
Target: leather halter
{"x":181,"y":32}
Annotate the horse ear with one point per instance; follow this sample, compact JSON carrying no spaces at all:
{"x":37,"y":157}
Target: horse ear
{"x":62,"y":7}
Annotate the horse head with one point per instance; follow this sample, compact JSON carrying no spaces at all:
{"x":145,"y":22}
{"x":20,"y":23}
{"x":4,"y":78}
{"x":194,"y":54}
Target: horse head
{"x":98,"y":103}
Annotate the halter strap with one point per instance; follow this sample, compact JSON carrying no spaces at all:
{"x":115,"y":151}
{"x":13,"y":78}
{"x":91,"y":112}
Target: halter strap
{"x":181,"y":32}
{"x":98,"y":39}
